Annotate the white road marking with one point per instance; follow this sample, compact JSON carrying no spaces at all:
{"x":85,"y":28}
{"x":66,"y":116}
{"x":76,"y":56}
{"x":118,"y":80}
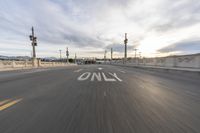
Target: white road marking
{"x":78,"y":70}
{"x":121,"y":71}
{"x":98,"y":76}
{"x":104,"y":94}
{"x":108,"y":79}
{"x":115,"y":75}
{"x":84,"y":76}
{"x":100,"y":68}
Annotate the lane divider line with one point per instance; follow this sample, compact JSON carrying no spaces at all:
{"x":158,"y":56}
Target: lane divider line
{"x":78,"y":70}
{"x":9,"y":104}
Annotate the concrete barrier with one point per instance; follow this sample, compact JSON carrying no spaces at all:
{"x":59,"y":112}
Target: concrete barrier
{"x":171,"y":62}
{"x":35,"y":63}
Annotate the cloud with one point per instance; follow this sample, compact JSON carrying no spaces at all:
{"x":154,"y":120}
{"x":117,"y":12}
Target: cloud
{"x":179,"y":14}
{"x":100,"y":24}
{"x":119,"y":47}
{"x":183,"y":46}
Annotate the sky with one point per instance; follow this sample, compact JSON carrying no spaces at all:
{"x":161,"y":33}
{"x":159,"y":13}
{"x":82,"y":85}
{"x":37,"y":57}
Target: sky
{"x":89,"y":27}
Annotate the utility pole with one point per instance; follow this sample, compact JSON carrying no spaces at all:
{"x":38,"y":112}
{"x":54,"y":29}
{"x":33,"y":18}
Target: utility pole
{"x":33,"y":42}
{"x":125,"y":50}
{"x":139,"y":59}
{"x":111,"y":54}
{"x":75,"y":59}
{"x":60,"y":54}
{"x":67,"y":54}
{"x":140,"y":54}
{"x":135,"y":53}
{"x":105,"y":56}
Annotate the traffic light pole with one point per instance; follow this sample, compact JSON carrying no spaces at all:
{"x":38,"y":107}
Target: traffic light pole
{"x":34,"y":42}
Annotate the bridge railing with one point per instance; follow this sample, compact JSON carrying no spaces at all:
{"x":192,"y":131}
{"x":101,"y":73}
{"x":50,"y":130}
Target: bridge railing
{"x":185,"y":61}
{"x":5,"y":64}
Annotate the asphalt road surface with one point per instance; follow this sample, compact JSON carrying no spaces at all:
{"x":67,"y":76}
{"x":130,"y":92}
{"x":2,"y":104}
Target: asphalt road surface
{"x":98,"y":99}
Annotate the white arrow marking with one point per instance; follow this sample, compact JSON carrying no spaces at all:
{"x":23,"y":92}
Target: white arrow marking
{"x":84,"y":76}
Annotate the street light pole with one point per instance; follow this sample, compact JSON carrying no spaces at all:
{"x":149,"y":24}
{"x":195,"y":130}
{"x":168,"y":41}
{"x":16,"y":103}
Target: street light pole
{"x":105,"y":56}
{"x":125,"y":50}
{"x":111,"y":54}
{"x":67,"y":54}
{"x":140,"y":54}
{"x":139,"y":59}
{"x":75,"y":59}
{"x":135,"y":53}
{"x":60,"y":54}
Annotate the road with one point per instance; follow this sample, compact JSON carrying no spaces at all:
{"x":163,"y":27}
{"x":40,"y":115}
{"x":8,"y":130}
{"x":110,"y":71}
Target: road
{"x":98,"y":99}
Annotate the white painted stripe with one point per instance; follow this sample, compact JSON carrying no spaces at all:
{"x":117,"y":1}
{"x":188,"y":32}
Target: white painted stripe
{"x":121,"y":71}
{"x":78,"y":70}
{"x":100,"y":68}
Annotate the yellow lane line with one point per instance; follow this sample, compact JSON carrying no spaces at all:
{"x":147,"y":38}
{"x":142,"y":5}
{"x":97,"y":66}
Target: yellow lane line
{"x":3,"y":102}
{"x":9,"y":104}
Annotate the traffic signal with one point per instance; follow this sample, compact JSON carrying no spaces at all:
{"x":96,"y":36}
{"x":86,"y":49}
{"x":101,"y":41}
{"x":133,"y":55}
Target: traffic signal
{"x":67,"y":53}
{"x":35,"y":41}
{"x":31,"y":37}
{"x":125,"y":41}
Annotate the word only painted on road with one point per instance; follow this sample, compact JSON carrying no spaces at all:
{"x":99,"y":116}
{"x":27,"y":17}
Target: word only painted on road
{"x":99,"y":76}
